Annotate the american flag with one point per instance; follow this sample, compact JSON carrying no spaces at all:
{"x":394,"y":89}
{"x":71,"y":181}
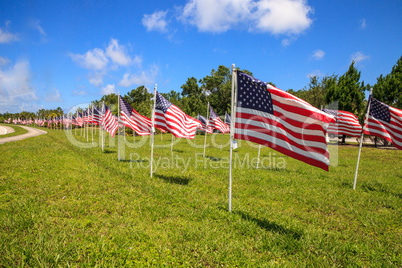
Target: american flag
{"x":169,"y":117}
{"x":85,"y":116}
{"x":216,"y":122}
{"x":109,"y":122}
{"x":228,"y":119}
{"x":346,"y":123}
{"x":142,"y":125}
{"x":80,"y":120}
{"x":96,"y":116}
{"x":385,"y":122}
{"x":90,"y":120}
{"x":204,"y":127}
{"x":271,"y":117}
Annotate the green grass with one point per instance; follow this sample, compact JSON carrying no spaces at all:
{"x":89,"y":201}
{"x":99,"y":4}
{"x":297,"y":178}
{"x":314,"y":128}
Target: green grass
{"x":61,"y":205}
{"x":17,"y":131}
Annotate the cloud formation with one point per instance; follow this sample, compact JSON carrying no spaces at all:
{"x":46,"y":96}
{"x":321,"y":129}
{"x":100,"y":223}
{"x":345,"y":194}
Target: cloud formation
{"x":7,"y":37}
{"x":359,"y":56}
{"x":15,"y":86}
{"x":318,"y":54}
{"x":269,"y":16}
{"x":155,"y":21}
{"x":108,"y":89}
{"x":143,"y":78}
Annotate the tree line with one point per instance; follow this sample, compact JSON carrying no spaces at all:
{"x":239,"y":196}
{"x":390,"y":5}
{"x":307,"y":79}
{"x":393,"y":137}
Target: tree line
{"x":344,"y":92}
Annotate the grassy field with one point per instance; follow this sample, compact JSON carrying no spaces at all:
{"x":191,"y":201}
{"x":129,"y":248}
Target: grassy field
{"x":17,"y":131}
{"x":65,"y":205}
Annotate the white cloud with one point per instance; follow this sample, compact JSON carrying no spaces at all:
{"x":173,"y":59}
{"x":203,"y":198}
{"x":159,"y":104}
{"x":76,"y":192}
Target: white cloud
{"x":15,"y":86}
{"x":4,"y":61}
{"x":155,"y":21}
{"x":282,"y":16}
{"x":93,"y":60}
{"x":144,"y":78}
{"x":96,"y":78}
{"x":35,"y":25}
{"x":358,"y":57}
{"x":117,"y":53}
{"x":108,"y":89}
{"x":272,"y":16}
{"x":318,"y":54}
{"x":6,"y":37}
{"x":363,"y":23}
{"x":53,"y":96}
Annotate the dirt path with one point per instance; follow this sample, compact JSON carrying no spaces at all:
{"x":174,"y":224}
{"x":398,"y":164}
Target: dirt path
{"x":32,"y":132}
{"x":6,"y":130}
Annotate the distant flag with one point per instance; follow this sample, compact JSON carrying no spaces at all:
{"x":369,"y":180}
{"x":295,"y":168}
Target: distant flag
{"x":142,"y":125}
{"x":109,"y":122}
{"x":204,"y":127}
{"x":227,"y":118}
{"x":385,"y":122}
{"x":216,"y":122}
{"x":169,"y":117}
{"x":271,"y":117}
{"x":96,"y":116}
{"x":80,"y":120}
{"x":346,"y":123}
{"x":85,"y":116}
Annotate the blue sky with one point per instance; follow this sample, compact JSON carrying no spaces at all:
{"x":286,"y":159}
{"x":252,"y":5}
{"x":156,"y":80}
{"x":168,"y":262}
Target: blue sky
{"x":66,"y":53}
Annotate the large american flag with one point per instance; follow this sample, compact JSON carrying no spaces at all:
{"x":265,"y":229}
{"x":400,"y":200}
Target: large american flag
{"x":142,"y":125}
{"x":204,"y":124}
{"x":346,"y":123}
{"x":109,"y":122}
{"x":169,"y":117}
{"x":96,"y":115}
{"x":385,"y":122}
{"x":80,"y":120}
{"x":216,"y":122}
{"x":271,"y":117}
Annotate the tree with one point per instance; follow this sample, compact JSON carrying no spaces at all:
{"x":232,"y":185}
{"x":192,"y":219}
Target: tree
{"x":194,"y":100}
{"x":349,"y":93}
{"x":141,"y":100}
{"x":388,"y":89}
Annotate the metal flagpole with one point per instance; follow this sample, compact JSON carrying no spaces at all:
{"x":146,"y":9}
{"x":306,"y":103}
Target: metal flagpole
{"x":171,"y":145}
{"x":102,"y":124}
{"x":152,"y":130}
{"x":118,"y":126}
{"x":223,"y":133}
{"x":206,"y":128}
{"x":232,"y":123}
{"x":361,"y":138}
{"x":76,"y":123}
{"x":258,"y":159}
{"x":88,"y":124}
{"x":92,"y":124}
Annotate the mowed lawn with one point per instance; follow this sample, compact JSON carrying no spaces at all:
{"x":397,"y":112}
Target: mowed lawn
{"x":64,"y":205}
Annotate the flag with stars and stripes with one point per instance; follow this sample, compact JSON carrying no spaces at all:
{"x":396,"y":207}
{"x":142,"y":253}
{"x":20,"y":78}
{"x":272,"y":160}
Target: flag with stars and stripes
{"x":170,"y":118}
{"x":385,"y":122}
{"x":204,"y":124}
{"x":142,"y":125}
{"x":216,"y":122}
{"x":271,"y":117}
{"x":346,"y":123}
{"x":96,"y":115}
{"x":80,"y":120}
{"x":85,"y":116}
{"x":109,"y":122}
{"x":228,"y":119}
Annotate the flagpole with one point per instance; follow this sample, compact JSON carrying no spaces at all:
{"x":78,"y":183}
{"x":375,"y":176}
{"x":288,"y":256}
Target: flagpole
{"x":223,"y":133}
{"x":361,"y":138}
{"x":258,"y":159}
{"x":206,"y":128}
{"x":232,"y":123}
{"x":92,"y":124}
{"x":118,"y":126}
{"x":88,"y":124}
{"x":152,"y":130}
{"x":102,"y":125}
{"x":171,"y":145}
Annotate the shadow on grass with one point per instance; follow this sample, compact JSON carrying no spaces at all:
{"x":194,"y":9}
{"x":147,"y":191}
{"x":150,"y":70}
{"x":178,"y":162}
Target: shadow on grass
{"x":109,"y":152}
{"x":379,"y":187}
{"x":213,"y":158}
{"x":271,"y":226}
{"x":174,"y":179}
